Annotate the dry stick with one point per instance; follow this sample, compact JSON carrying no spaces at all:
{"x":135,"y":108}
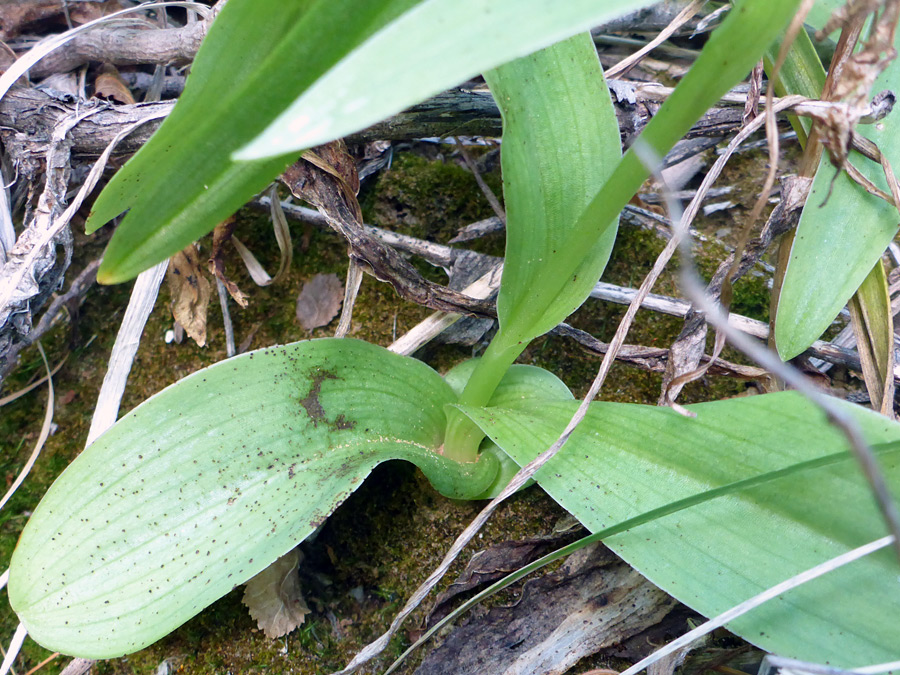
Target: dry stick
{"x":43,"y":48}
{"x":626,"y":64}
{"x":445,"y":256}
{"x":52,"y":657}
{"x":485,"y":188}
{"x":351,"y":290}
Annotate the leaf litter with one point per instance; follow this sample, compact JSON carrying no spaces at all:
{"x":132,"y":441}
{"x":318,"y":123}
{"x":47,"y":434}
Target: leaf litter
{"x":319,"y":301}
{"x":274,"y":597}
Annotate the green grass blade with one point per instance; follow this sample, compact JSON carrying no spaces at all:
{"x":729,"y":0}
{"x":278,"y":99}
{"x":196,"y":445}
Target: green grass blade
{"x":839,"y":241}
{"x":449,"y":41}
{"x":184,"y":181}
{"x":208,"y":482}
{"x":625,"y":460}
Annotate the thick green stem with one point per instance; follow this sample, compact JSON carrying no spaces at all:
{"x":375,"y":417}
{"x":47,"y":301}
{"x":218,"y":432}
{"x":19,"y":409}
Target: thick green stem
{"x":463,"y":436}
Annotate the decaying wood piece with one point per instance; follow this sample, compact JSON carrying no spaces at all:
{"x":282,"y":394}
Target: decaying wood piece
{"x":124,"y":43}
{"x":330,"y":185}
{"x":594,"y":601}
{"x":33,"y":269}
{"x":28,"y":116}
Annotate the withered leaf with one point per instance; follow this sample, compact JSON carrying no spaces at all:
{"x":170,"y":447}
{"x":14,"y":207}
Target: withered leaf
{"x":190,"y":293}
{"x":110,"y":86}
{"x":274,"y":599}
{"x":319,"y":301}
{"x":221,"y":235}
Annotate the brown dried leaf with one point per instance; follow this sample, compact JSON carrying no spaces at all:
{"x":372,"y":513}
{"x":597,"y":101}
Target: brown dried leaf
{"x":274,"y":599}
{"x":216,"y":262}
{"x":190,"y":293}
{"x":110,"y":86}
{"x":319,"y":301}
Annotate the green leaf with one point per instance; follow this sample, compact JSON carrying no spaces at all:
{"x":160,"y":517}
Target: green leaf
{"x":839,"y":241}
{"x":182,"y":183}
{"x":728,"y":56}
{"x":821,"y":11}
{"x":208,"y":482}
{"x":625,"y":460}
{"x":374,"y":81}
{"x":873,"y":327}
{"x":560,"y":143}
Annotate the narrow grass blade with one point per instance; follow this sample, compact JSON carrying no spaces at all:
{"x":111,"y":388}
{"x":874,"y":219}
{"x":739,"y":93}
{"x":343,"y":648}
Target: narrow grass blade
{"x":873,"y":326}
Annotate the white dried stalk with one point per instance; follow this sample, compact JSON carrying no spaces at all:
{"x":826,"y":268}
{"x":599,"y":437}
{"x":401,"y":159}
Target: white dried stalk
{"x":434,"y":325}
{"x":13,"y":650}
{"x":143,"y":297}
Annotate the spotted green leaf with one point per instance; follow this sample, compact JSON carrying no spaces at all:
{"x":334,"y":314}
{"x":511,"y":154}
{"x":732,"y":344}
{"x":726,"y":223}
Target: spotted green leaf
{"x":625,"y":460}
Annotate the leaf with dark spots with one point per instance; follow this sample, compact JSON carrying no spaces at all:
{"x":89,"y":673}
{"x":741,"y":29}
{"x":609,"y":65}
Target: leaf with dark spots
{"x":311,"y":402}
{"x":319,"y":301}
{"x":183,"y":471}
{"x":274,"y":597}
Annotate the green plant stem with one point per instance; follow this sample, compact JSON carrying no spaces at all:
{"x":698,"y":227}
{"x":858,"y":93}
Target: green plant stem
{"x":463,"y":436}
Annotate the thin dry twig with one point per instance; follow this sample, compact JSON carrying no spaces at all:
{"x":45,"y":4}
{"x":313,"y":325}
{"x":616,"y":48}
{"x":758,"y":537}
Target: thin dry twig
{"x":760,"y":599}
{"x":626,"y":64}
{"x":49,"y":659}
{"x":485,"y":188}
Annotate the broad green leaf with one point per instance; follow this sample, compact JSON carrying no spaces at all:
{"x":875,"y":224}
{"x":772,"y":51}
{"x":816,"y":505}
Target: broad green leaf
{"x":560,"y":143}
{"x":838,"y":241}
{"x":449,"y":41}
{"x":728,"y":56}
{"x":184,"y":182}
{"x":625,"y":460}
{"x":208,"y":482}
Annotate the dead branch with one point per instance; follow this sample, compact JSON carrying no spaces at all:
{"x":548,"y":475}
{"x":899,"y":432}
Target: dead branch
{"x":126,"y":44}
{"x":28,"y":116}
